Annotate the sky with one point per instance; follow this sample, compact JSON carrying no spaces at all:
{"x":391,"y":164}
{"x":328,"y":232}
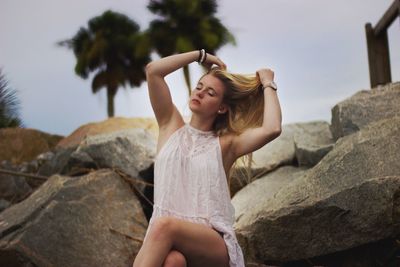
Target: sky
{"x":317,"y":49}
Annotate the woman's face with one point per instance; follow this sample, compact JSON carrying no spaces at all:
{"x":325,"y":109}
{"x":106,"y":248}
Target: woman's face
{"x":207,"y":96}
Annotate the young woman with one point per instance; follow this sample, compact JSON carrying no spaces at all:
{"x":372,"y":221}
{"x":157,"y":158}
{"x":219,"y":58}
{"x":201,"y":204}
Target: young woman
{"x":232,"y":115}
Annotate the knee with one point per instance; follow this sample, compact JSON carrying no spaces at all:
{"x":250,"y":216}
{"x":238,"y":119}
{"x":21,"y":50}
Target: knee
{"x":162,"y":227}
{"x":175,"y":259}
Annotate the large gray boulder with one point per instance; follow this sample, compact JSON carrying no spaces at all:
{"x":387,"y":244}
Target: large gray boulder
{"x":363,"y":107}
{"x":300,"y":144}
{"x":312,"y":141}
{"x":131,"y":150}
{"x":348,"y":199}
{"x":91,"y":220}
{"x":264,"y":188}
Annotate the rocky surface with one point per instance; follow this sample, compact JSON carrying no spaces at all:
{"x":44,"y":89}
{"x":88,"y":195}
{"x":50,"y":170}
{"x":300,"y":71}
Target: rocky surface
{"x":108,"y":126}
{"x":318,"y":195}
{"x":312,"y":141}
{"x":342,"y":202}
{"x":365,"y":106}
{"x":91,"y":220}
{"x":18,"y":145}
{"x":130,"y":151}
{"x":264,"y":188}
{"x":300,"y":144}
{"x":13,"y":189}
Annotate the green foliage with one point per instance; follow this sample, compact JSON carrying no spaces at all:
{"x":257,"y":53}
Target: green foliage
{"x":113,"y":47}
{"x":184,"y":26}
{"x":9,"y":105}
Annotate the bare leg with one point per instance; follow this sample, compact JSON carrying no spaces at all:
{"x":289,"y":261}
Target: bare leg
{"x":200,"y":245}
{"x":175,"y":259}
{"x":155,"y":249}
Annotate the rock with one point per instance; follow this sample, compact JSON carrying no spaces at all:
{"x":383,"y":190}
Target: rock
{"x":380,"y":253}
{"x":29,"y":166}
{"x":264,"y":188}
{"x":255,"y":193}
{"x":92,"y":220}
{"x":130,"y":150}
{"x":4,"y":204}
{"x":108,"y":126}
{"x":300,"y":144}
{"x":344,"y":220}
{"x":44,"y":157}
{"x":348,"y":199}
{"x":312,"y":141}
{"x":364,"y":107}
{"x":13,"y":188}
{"x":22,"y":144}
{"x":21,"y":185}
{"x":279,"y":151}
{"x":57,"y":162}
{"x":254,"y":264}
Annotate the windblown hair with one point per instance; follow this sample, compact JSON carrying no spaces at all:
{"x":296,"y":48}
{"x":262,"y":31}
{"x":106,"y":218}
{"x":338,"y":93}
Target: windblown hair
{"x":245,"y":99}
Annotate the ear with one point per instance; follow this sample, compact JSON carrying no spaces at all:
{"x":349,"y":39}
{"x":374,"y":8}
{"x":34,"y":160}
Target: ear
{"x":223,"y":109}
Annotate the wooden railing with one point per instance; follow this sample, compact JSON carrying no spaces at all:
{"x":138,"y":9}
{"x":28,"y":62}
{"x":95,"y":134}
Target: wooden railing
{"x":378,"y":46}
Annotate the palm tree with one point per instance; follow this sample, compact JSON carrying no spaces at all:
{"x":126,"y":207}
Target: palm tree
{"x":9,"y":105}
{"x":184,"y":26}
{"x":113,"y":47}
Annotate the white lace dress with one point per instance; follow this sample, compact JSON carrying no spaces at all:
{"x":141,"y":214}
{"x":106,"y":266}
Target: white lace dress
{"x":190,"y":183}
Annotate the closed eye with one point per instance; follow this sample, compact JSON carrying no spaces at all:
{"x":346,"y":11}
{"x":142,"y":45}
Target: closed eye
{"x":210,"y":91}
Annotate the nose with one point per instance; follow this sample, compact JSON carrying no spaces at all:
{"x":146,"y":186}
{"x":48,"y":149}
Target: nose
{"x":200,"y":93}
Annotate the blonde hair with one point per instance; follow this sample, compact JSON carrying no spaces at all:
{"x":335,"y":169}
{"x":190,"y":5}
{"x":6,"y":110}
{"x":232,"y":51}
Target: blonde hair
{"x":245,"y":99}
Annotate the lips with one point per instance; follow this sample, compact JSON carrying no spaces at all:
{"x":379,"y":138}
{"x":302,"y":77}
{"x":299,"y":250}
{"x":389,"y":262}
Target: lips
{"x":196,"y":101}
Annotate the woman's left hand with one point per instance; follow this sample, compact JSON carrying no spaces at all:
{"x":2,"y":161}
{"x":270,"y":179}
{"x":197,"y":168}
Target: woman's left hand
{"x":211,"y":59}
{"x":265,"y":75}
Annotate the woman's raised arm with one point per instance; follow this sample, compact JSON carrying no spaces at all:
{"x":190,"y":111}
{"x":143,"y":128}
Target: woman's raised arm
{"x":160,"y":96}
{"x":255,"y":138}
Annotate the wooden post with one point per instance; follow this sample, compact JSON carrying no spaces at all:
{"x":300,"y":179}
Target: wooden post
{"x":378,"y":57}
{"x":378,"y":46}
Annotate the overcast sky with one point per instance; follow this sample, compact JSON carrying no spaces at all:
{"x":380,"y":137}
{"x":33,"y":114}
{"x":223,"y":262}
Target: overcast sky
{"x":317,"y":49}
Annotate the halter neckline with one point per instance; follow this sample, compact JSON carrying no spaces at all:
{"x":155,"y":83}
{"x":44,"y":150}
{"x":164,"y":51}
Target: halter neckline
{"x":198,"y":130}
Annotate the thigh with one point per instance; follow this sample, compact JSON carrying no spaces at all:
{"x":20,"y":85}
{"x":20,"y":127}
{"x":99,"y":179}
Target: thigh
{"x":201,"y":245}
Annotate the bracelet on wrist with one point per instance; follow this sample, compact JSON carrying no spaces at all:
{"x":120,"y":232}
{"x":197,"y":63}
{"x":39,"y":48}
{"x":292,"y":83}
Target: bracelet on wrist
{"x":270,"y":84}
{"x":205,"y":57}
{"x":198,"y":59}
{"x":202,"y":56}
{"x":269,"y":87}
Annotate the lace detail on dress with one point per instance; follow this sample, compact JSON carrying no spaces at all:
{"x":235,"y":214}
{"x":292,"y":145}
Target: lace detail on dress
{"x":190,"y":184}
{"x":195,"y":141}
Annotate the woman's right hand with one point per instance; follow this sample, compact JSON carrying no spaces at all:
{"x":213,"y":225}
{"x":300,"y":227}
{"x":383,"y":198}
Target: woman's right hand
{"x":211,"y":60}
{"x":265,"y":75}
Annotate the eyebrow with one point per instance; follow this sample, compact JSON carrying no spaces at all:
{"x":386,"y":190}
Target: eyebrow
{"x":208,"y":87}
